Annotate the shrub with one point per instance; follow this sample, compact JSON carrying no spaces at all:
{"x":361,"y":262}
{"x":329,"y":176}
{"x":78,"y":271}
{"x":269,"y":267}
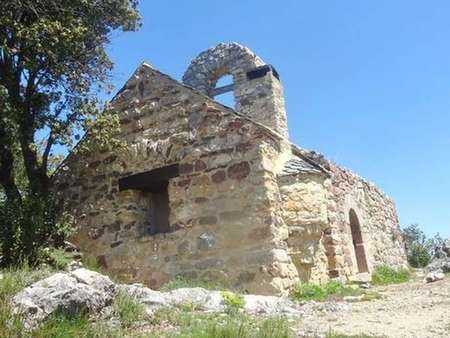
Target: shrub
{"x":419,"y":248}
{"x":27,"y":226}
{"x":383,"y":275}
{"x":418,"y":256}
{"x":320,"y":292}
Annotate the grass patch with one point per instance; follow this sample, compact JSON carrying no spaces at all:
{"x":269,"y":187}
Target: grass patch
{"x":77,"y":326}
{"x":128,"y":310}
{"x":384,"y":275}
{"x":63,"y":326}
{"x":207,"y":325}
{"x":321,"y":292}
{"x":238,"y":328}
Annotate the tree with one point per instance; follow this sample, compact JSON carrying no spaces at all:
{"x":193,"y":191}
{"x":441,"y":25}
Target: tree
{"x":420,"y":249}
{"x":52,"y":63}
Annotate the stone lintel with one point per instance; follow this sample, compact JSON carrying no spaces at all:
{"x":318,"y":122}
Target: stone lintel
{"x":151,"y":180}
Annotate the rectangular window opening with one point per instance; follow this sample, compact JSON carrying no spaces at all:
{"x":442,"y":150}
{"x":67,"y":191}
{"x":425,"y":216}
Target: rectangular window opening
{"x":154,"y":185}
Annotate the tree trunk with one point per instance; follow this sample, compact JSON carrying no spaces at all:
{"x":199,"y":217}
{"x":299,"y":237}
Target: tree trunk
{"x":7,"y":173}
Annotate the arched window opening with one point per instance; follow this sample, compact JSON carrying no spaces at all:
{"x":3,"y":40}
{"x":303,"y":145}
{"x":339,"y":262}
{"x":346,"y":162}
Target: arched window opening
{"x":224,"y":91}
{"x":358,"y":243}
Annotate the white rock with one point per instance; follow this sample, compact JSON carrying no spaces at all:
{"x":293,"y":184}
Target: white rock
{"x":199,"y":297}
{"x":83,"y":291}
{"x":360,"y":278}
{"x":270,"y":305}
{"x":434,"y":276}
{"x":150,"y":298}
{"x":94,"y":279}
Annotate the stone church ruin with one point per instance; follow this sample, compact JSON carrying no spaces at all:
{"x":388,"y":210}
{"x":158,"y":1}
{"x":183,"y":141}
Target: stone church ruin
{"x":205,"y":191}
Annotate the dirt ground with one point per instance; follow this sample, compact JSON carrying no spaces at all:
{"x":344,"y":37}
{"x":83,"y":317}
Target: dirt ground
{"x":409,"y":310}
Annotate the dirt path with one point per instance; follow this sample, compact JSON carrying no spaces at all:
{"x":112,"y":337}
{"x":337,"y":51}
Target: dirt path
{"x":410,"y":310}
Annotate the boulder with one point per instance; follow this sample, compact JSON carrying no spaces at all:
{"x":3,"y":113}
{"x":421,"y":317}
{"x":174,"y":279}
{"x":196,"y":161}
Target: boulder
{"x":80,"y":290}
{"x":360,"y":278}
{"x":271,"y":305}
{"x":200,"y":298}
{"x":207,"y":300}
{"x":434,"y":276}
{"x":441,"y":259}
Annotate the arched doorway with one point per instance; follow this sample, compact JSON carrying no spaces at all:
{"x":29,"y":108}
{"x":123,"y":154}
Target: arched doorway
{"x":358,"y":242}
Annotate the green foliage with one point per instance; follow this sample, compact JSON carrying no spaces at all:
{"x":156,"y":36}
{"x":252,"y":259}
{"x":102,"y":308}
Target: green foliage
{"x":419,"y":249}
{"x":418,"y":255}
{"x":28,"y":226}
{"x":321,"y":292}
{"x":233,"y":301}
{"x":53,"y":63}
{"x":384,"y":275}
{"x":128,"y":309}
{"x":101,"y":129}
{"x":57,"y":258}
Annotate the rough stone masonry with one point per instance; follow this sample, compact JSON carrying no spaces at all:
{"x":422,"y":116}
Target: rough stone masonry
{"x":205,"y":191}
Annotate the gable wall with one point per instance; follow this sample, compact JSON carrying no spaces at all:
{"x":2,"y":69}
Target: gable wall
{"x":223,"y":206}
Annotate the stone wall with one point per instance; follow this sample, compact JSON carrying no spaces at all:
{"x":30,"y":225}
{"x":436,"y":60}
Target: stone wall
{"x":377,"y":216}
{"x":224,"y":205}
{"x":305,"y":203}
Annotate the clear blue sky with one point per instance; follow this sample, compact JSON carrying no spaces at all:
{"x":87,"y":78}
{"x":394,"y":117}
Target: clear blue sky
{"x":367,"y":83}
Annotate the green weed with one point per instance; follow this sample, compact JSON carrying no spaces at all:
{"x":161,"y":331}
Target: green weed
{"x":384,"y":275}
{"x":321,"y":292}
{"x":128,"y":310}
